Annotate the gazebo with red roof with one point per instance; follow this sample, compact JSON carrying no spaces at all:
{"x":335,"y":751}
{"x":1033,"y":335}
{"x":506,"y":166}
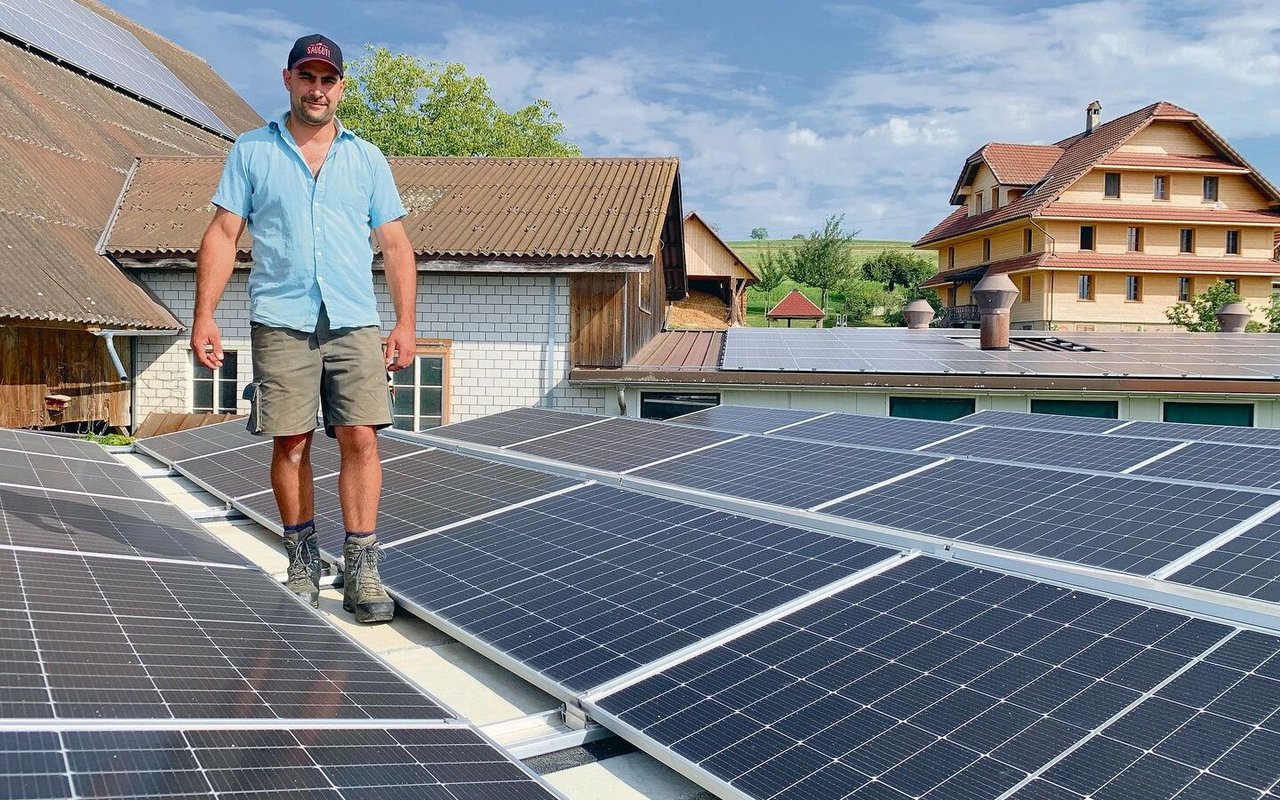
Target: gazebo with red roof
{"x":796,"y":306}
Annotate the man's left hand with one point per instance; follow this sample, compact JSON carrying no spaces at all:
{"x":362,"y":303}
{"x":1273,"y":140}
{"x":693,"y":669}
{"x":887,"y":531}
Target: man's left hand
{"x":401,"y":348}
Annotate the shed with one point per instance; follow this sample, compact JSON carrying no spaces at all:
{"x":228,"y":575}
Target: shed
{"x":716,"y":273}
{"x":795,"y":306}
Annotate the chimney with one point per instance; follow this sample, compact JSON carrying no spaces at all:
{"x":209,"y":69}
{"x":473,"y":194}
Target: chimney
{"x":1233,"y":317}
{"x":994,"y":296}
{"x":1092,"y":116}
{"x":919,"y":314}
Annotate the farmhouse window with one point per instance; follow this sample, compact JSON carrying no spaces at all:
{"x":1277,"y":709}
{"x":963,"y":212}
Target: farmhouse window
{"x":1186,"y":240}
{"x":1233,"y":243}
{"x":1134,"y":241}
{"x":1133,"y":288}
{"x":1084,"y":287}
{"x":1211,"y":188}
{"x":419,"y":392}
{"x":1026,"y":241}
{"x":1184,"y":289}
{"x":1160,"y":187}
{"x":214,"y":393}
{"x":1111,"y":184}
{"x":986,"y":250}
{"x":1087,"y":235}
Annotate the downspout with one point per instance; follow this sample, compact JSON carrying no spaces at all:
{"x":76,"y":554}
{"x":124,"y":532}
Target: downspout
{"x":549,"y":358}
{"x":109,"y":338}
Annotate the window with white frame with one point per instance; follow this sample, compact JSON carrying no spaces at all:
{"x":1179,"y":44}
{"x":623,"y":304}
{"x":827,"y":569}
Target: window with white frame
{"x":419,"y":392}
{"x":214,"y":392}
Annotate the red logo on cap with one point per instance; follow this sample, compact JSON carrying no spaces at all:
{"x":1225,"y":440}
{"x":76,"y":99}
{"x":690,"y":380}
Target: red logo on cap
{"x":318,"y":49}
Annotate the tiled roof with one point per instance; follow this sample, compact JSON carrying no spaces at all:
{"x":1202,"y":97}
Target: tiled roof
{"x":1116,"y":262}
{"x":795,"y":306}
{"x":519,"y":208}
{"x":1157,"y":213}
{"x":1080,"y":154}
{"x":1121,"y":158}
{"x":1020,"y":164}
{"x":66,"y":144}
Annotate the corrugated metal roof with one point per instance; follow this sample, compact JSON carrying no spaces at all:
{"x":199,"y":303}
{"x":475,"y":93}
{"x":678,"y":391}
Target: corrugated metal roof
{"x":517,"y":208}
{"x":66,"y":145}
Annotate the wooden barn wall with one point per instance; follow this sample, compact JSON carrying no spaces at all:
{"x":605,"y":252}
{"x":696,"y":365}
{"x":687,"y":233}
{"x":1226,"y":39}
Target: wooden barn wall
{"x":597,"y":319}
{"x":35,"y":362}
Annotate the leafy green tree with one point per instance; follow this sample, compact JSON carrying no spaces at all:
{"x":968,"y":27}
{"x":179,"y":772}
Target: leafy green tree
{"x":895,"y":268}
{"x":823,"y":259}
{"x":861,"y":297}
{"x":1199,"y":314}
{"x":409,"y":107}
{"x":772,"y":267}
{"x":759,"y":233}
{"x":1272,"y":312}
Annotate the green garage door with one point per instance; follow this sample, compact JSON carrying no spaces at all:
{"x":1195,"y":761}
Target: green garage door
{"x":1106,"y":409}
{"x":1240,"y":414}
{"x":943,"y":408}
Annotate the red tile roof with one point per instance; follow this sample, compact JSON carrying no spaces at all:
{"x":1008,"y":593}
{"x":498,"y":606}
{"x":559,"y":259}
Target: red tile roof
{"x":1168,"y":161}
{"x":795,"y":306}
{"x":1080,"y":153}
{"x":1020,"y":164}
{"x":1116,"y":262}
{"x":1161,"y":213}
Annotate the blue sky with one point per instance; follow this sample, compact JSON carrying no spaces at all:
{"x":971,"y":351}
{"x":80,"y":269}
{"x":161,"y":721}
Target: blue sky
{"x":786,"y":112}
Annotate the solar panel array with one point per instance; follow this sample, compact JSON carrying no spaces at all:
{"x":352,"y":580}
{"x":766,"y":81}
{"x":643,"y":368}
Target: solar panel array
{"x":77,"y":35}
{"x":139,"y":657}
{"x":772,"y":660}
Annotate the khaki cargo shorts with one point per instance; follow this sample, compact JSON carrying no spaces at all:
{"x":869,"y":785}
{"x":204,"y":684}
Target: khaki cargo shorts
{"x":295,"y":374}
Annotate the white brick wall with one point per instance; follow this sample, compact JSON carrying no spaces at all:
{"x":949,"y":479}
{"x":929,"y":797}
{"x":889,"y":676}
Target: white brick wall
{"x":498,"y":325}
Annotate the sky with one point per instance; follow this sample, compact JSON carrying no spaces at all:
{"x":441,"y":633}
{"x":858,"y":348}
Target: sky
{"x":784,"y":113}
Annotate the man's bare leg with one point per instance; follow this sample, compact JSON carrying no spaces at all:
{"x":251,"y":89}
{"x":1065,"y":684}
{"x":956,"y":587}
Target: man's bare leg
{"x":291,"y":480}
{"x":359,"y":489}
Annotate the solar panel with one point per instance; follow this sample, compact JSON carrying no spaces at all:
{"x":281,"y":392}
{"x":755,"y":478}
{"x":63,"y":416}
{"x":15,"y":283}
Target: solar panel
{"x":620,"y":443}
{"x":743,"y":419}
{"x":81,"y":522}
{"x":73,"y":475}
{"x":588,"y":585}
{"x":782,"y":471}
{"x":425,"y":491}
{"x":932,"y":679}
{"x":1212,"y":733}
{"x":131,"y":638}
{"x":1248,"y":565}
{"x":510,"y":427}
{"x":1054,"y":448}
{"x":195,"y":442}
{"x":1267,"y":437}
{"x":72,"y":33}
{"x":440,"y":763}
{"x":1228,"y":464}
{"x":52,"y":445}
{"x":1044,"y":422}
{"x":905,"y":434}
{"x":1117,"y":522}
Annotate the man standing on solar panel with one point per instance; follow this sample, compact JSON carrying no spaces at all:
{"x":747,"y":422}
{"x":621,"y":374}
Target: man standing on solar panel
{"x":311,"y":193}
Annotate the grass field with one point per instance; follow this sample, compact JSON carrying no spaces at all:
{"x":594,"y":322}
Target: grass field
{"x":758,"y":304}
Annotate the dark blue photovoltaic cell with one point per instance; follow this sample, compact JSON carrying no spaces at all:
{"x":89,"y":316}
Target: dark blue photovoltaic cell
{"x":445,"y":763}
{"x":1213,"y":733}
{"x":904,"y":434}
{"x":620,"y":444}
{"x":1054,"y":449}
{"x":743,"y":419}
{"x":73,"y":475}
{"x":510,"y":427}
{"x":588,"y":585}
{"x":1044,"y":422}
{"x":1117,"y":522}
{"x":202,"y":441}
{"x":782,"y":471}
{"x":1185,"y":432}
{"x":51,"y":444}
{"x":932,"y":679}
{"x":1212,"y":462}
{"x":106,"y":638}
{"x":1248,"y":565}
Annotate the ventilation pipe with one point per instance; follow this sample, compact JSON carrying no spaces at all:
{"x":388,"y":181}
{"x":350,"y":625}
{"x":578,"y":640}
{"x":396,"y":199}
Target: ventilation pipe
{"x":994,"y":296}
{"x":1092,"y":117}
{"x":919,"y":314}
{"x":1233,"y":317}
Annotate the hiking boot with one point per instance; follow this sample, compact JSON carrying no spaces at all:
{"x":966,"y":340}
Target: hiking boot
{"x":362,"y":593}
{"x":304,"y":565}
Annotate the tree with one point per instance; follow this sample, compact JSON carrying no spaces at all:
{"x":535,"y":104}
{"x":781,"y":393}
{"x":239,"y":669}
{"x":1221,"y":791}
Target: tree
{"x":773,"y":271}
{"x":824,"y":258}
{"x":895,"y":268}
{"x":409,"y":107}
{"x":862,"y":297}
{"x":1200,"y":313}
{"x":1272,"y":312}
{"x":759,"y":233}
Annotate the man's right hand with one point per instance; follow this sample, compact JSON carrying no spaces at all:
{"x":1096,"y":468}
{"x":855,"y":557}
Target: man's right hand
{"x":206,"y":343}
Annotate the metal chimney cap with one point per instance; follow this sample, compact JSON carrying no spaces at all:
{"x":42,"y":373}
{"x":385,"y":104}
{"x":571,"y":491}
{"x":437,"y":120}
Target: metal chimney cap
{"x":994,"y":294}
{"x":1233,"y":317}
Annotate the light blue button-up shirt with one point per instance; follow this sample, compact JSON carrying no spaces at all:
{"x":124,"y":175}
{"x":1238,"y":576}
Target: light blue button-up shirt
{"x":311,"y":235}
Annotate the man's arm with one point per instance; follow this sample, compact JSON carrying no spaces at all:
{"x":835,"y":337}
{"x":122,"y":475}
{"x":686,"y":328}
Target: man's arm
{"x":402,"y":279}
{"x":214,"y":264}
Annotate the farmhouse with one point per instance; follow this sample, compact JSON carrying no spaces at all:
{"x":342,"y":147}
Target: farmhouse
{"x":528,"y":268}
{"x":1106,"y":229}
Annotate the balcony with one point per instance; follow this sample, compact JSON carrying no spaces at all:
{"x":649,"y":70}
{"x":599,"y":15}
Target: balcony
{"x":959,"y":317}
